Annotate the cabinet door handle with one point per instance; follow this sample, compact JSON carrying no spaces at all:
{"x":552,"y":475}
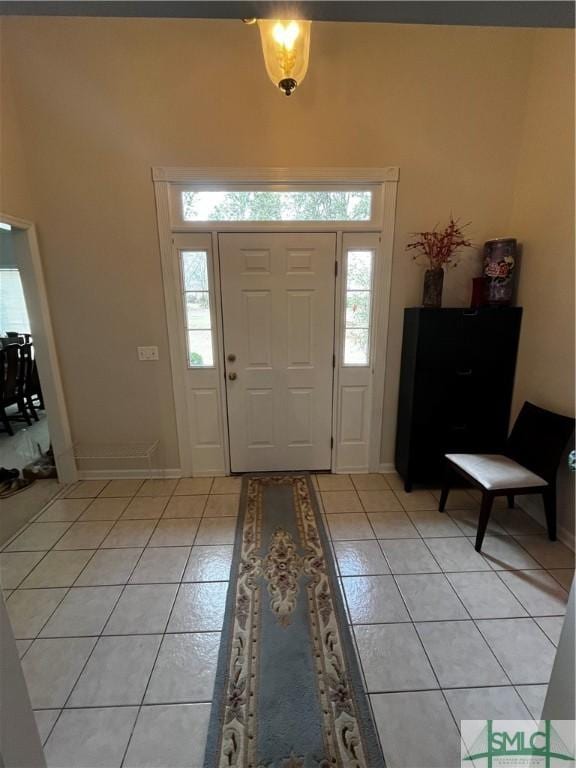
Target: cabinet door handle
{"x":467,"y":372}
{"x":470,"y":312}
{"x":459,"y":427}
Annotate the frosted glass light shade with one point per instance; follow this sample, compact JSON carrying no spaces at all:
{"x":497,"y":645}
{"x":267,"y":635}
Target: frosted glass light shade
{"x":286,"y":48}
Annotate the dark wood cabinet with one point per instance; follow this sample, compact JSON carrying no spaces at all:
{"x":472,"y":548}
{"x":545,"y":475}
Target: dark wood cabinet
{"x":456,"y":382}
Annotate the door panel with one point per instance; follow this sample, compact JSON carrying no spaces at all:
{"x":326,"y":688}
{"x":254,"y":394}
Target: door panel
{"x":278,"y":315}
{"x":299,"y":328}
{"x":300,"y":423}
{"x":257,"y":319}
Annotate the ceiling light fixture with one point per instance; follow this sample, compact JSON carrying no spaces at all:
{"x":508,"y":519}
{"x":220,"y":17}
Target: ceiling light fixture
{"x":286,"y":49}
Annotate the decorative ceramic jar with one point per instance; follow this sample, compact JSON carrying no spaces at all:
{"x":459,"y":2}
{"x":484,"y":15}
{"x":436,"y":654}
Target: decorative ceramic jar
{"x":433,"y":282}
{"x":500,"y":256}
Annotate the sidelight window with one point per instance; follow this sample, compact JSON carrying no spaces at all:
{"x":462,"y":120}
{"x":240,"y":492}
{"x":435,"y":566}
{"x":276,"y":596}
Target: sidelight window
{"x":197,"y":309}
{"x":358,"y":307}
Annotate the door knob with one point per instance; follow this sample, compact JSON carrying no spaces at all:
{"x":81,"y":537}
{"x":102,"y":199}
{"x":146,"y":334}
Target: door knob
{"x":231,"y":358}
{"x":232,"y":376}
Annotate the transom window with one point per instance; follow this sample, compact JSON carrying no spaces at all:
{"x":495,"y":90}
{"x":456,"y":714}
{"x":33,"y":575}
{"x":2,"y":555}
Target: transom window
{"x":273,"y":205}
{"x":197,"y":311}
{"x":358,"y":304}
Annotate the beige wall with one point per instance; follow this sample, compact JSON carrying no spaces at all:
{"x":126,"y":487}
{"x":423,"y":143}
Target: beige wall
{"x":14,"y":187}
{"x":101,"y":101}
{"x":543,"y":220}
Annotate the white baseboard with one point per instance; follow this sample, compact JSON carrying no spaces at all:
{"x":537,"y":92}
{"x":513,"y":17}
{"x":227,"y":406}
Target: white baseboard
{"x":566,"y":537}
{"x":138,"y":474}
{"x":128,"y":474}
{"x":530,"y":505}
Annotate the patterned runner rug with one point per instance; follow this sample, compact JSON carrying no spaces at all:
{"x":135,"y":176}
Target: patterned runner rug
{"x":288,"y":689}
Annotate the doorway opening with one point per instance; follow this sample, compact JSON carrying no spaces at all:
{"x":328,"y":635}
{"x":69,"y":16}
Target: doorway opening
{"x":277,"y":306}
{"x":34,"y":432}
{"x":25,"y":451}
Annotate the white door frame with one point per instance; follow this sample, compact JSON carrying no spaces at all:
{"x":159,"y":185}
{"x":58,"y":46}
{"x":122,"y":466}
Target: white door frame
{"x":383,"y":181}
{"x":29,"y":264}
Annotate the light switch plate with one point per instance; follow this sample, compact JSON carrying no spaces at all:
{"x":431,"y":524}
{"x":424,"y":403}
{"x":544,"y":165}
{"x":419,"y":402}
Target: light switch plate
{"x":147,"y":353}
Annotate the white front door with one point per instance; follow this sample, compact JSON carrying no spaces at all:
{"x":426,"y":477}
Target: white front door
{"x":278,"y":315}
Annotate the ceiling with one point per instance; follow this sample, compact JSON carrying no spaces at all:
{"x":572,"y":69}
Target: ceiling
{"x":505,"y":13}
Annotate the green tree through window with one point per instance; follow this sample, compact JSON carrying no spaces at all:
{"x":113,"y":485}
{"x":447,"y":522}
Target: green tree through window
{"x":260,"y":205}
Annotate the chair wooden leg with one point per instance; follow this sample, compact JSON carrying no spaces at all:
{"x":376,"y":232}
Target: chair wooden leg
{"x":6,"y":421}
{"x":549,"y":498}
{"x":24,"y":412}
{"x":485,"y":510}
{"x":32,"y":409}
{"x":510,"y":498}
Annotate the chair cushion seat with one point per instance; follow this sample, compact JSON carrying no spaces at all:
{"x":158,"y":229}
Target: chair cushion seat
{"x":495,"y":472}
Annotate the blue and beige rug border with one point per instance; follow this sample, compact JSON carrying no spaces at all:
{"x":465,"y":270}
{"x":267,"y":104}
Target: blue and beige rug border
{"x":372,"y":749}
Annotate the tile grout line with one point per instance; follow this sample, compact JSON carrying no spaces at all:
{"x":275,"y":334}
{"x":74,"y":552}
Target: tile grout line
{"x":371,"y":693}
{"x":497,"y":619}
{"x":63,"y":598}
{"x":26,"y":527}
{"x":153,"y":666}
{"x":107,"y":549}
{"x":518,"y":599}
{"x":415,"y":628}
{"x":56,"y":497}
{"x":157,"y":546}
{"x":485,"y":618}
{"x":73,"y":687}
{"x":181,"y":582}
{"x":388,"y":561}
{"x":536,"y":536}
{"x":133,"y":634}
{"x":411,"y":621}
{"x":123,"y":706}
{"x":458,"y":597}
{"x":29,"y":573}
{"x":348,"y":617}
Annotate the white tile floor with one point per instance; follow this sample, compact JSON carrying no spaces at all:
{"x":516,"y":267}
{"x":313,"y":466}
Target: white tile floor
{"x":116,"y":594}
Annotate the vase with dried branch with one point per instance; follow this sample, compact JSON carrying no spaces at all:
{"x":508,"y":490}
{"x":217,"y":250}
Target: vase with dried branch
{"x":438,"y":249}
